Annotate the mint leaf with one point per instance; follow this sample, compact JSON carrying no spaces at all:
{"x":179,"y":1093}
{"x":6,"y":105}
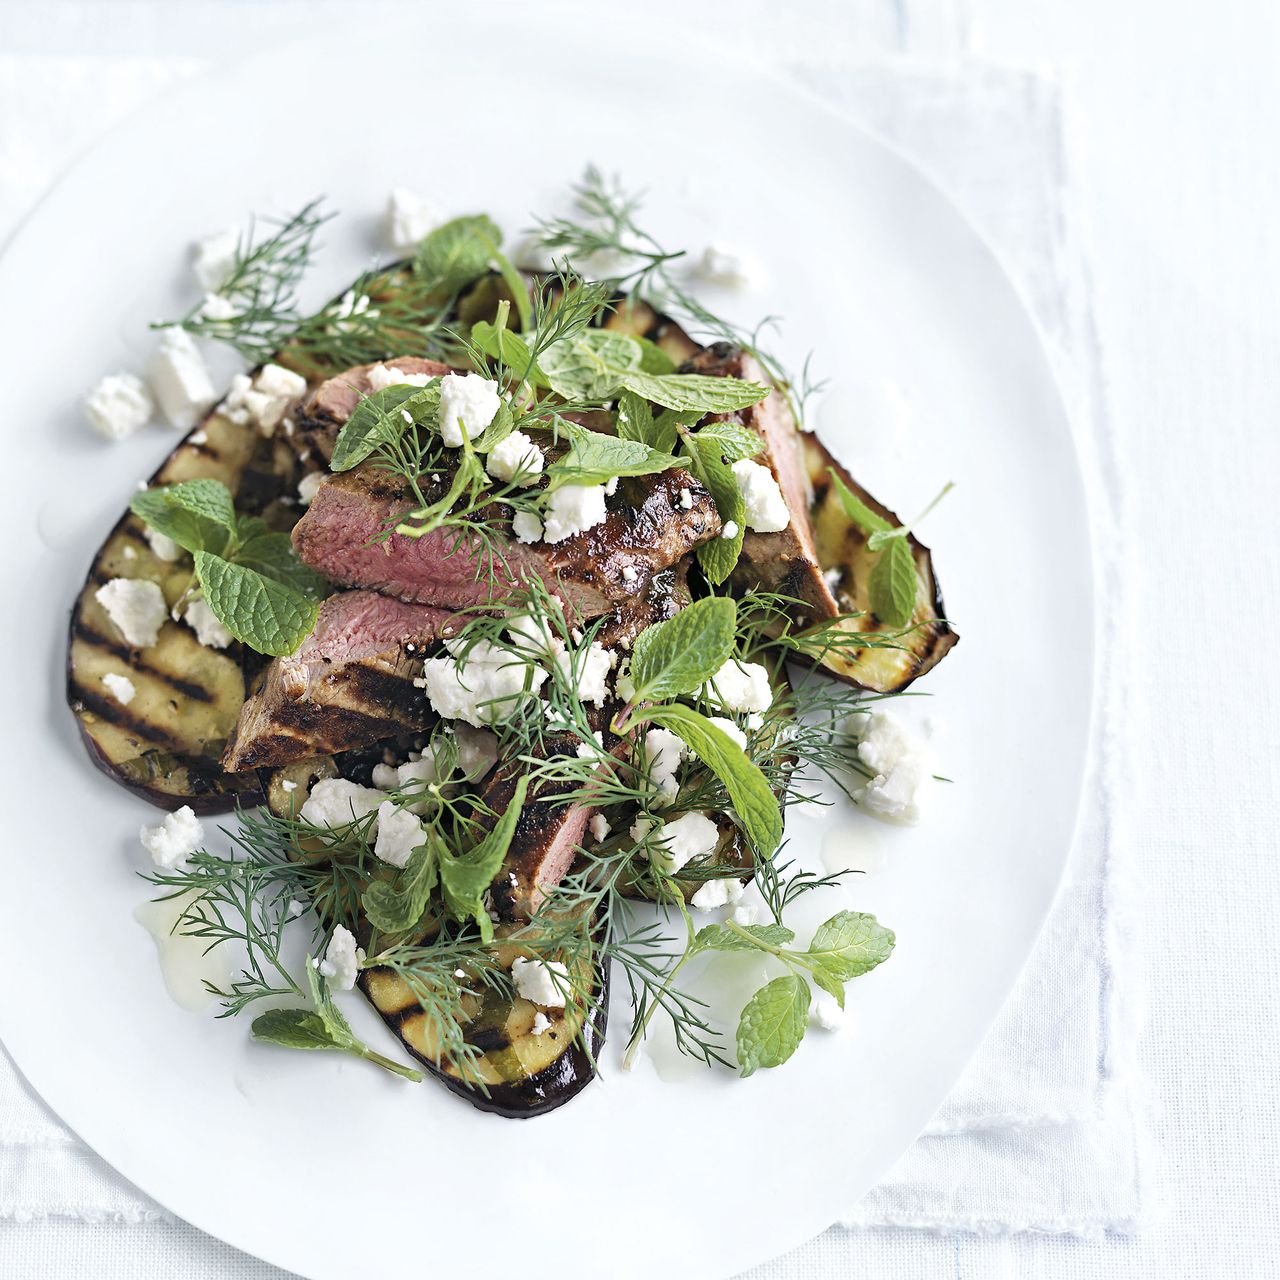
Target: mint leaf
{"x":633,"y":420}
{"x":719,"y":556}
{"x":592,"y":365}
{"x":272,"y":555}
{"x":680,"y":655}
{"x":719,"y":937}
{"x":850,"y":944}
{"x":267,"y":615}
{"x":379,"y":420}
{"x":694,"y":392}
{"x":857,"y":510}
{"x":753,"y":799}
{"x":511,"y":349}
{"x":464,"y":879}
{"x":594,"y":458}
{"x":396,"y":905}
{"x":197,"y":514}
{"x":893,"y":583}
{"x":457,"y":253}
{"x":773,"y":1023}
{"x":294,"y":1029}
{"x":734,"y":441}
{"x":652,"y":357}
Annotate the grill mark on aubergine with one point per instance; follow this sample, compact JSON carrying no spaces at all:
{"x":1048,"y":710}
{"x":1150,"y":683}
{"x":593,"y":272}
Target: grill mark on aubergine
{"x":118,"y":715}
{"x":94,"y":639}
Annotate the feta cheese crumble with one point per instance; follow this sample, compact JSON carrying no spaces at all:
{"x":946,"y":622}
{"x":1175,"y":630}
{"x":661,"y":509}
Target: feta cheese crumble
{"x":483,"y":690}
{"x":338,"y":802}
{"x":399,"y":834}
{"x":679,"y":841}
{"x":409,"y":218}
{"x":468,"y":404}
{"x":121,"y":688}
{"x":730,"y":530}
{"x":162,"y":546}
{"x":175,"y":839}
{"x":382,"y":376}
{"x":721,"y":266}
{"x":740,"y":686}
{"x":119,"y":405}
{"x":600,"y":827}
{"x":214,"y":258}
{"x":179,"y":379}
{"x":536,"y":981}
{"x":526,"y":526}
{"x":540,"y":1023}
{"x":573,"y":509}
{"x":663,"y":752}
{"x":516,"y":455}
{"x":824,"y":1012}
{"x":309,"y":486}
{"x":686,"y":500}
{"x":136,"y":607}
{"x":263,"y":398}
{"x":342,"y":959}
{"x":766,"y":508}
{"x":204,"y":622}
{"x":900,"y":765}
{"x":593,"y":667}
{"x":717,"y":893}
{"x":629,"y":573}
{"x":729,"y":729}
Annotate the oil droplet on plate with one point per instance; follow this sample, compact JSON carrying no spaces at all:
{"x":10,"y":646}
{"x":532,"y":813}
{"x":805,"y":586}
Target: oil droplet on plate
{"x":184,"y":963}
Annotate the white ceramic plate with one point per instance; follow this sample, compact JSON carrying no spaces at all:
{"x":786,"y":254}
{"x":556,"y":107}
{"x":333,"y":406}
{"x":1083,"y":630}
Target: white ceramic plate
{"x":322,"y":1165}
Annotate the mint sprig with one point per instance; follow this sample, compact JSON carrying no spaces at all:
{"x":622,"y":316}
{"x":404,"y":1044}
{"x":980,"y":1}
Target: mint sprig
{"x":249,"y":576}
{"x":378,"y":421}
{"x":679,"y":655}
{"x":594,"y":458}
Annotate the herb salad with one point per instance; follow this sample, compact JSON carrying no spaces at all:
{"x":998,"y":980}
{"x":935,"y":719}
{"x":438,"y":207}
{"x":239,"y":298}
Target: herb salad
{"x":510,"y":617}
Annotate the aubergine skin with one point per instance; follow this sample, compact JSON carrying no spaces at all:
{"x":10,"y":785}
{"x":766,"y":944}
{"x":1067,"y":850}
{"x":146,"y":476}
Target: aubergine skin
{"x":534,"y":1095}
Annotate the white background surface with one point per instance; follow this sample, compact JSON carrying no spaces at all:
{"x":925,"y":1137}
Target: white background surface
{"x":1173,"y":112}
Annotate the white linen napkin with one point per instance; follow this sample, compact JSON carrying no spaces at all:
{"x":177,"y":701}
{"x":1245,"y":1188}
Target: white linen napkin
{"x":1040,"y":1135}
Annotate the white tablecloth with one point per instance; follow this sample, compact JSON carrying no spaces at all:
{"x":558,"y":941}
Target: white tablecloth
{"x":1022,"y":1123}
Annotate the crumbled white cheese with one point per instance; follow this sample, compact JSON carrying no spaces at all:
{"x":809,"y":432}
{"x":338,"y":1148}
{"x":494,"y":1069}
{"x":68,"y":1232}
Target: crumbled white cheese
{"x":766,"y":508}
{"x":484,"y":690}
{"x":214,"y":257}
{"x":198,"y":437}
{"x":279,"y":383}
{"x":717,"y":893}
{"x":175,"y":839}
{"x":573,"y":509}
{"x":686,"y":500}
{"x":600,"y":827}
{"x":723,"y":267}
{"x":216,"y":307}
{"x":409,"y":218}
{"x":629,"y":573}
{"x":536,"y":981}
{"x":593,"y":667}
{"x":136,"y":607}
{"x":684,"y":838}
{"x":399,"y":834}
{"x":309,"y":486}
{"x":263,"y":398}
{"x":349,"y":305}
{"x":731,"y":730}
{"x":899,"y":762}
{"x":533,"y":633}
{"x":204,"y":622}
{"x":526,"y":526}
{"x":382,"y":376}
{"x":121,"y":688}
{"x":540,"y":1023}
{"x":162,"y":546}
{"x":611,"y":486}
{"x":179,"y":378}
{"x":119,"y":405}
{"x":752,"y":908}
{"x":584,"y":749}
{"x":342,"y":959}
{"x":129,"y":552}
{"x":468,"y":404}
{"x":289,"y":785}
{"x":477,"y":750}
{"x":741,"y":686}
{"x":663,"y":752}
{"x":623,"y":685}
{"x":516,"y":454}
{"x":824,"y":1012}
{"x":338,"y":802}
{"x":730,"y":530}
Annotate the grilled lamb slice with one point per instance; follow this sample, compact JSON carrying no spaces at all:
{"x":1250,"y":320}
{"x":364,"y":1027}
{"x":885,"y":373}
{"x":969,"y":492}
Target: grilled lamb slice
{"x":647,"y":530}
{"x":334,"y":400}
{"x":785,"y":562}
{"x":348,"y":685}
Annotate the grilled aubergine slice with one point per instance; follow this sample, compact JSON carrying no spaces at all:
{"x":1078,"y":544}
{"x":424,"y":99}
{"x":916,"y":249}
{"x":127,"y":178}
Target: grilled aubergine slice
{"x":524,"y":1074}
{"x":166,"y":744}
